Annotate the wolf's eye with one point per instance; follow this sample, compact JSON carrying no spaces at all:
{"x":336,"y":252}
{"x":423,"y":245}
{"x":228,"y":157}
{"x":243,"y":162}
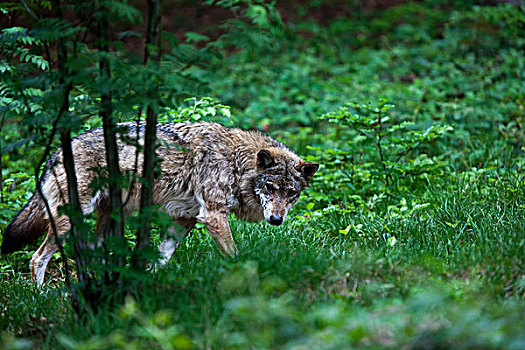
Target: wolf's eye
{"x":292,"y":193}
{"x":270,"y":187}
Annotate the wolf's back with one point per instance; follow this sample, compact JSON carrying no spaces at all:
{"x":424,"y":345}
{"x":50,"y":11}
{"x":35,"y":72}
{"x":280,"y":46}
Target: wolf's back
{"x":30,"y":223}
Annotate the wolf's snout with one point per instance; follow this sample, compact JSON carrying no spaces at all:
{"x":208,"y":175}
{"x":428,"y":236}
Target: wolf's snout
{"x":275,"y":220}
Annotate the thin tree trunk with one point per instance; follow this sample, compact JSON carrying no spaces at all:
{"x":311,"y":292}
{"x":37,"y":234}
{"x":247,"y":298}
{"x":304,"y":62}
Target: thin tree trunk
{"x":148,"y":174}
{"x":116,"y":222}
{"x":1,"y":179}
{"x":45,"y":155}
{"x":75,"y":214}
{"x":115,"y":225}
{"x":75,"y":210}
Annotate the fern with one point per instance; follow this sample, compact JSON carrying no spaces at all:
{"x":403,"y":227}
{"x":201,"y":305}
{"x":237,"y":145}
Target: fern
{"x":121,"y":11}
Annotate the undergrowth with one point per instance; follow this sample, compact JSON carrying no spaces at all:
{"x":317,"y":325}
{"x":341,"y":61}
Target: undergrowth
{"x":411,"y":235}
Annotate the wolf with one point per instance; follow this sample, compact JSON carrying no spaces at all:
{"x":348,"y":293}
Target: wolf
{"x":207,"y":171}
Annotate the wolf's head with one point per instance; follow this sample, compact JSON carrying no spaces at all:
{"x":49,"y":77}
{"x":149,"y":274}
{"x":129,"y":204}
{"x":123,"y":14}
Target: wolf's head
{"x":281,"y":176}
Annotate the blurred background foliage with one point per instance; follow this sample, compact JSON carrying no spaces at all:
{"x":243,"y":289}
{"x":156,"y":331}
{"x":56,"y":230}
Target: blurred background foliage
{"x":412,"y":234}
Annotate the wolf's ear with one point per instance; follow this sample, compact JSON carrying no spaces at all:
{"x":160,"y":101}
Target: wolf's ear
{"x":264,"y":159}
{"x":307,"y":169}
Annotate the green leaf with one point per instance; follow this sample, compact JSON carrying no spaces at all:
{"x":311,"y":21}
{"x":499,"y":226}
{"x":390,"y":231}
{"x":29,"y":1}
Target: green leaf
{"x":392,"y":241}
{"x":346,"y":230}
{"x":196,"y":37}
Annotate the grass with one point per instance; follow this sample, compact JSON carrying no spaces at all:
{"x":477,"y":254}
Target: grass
{"x":454,"y":278}
{"x":434,"y":262}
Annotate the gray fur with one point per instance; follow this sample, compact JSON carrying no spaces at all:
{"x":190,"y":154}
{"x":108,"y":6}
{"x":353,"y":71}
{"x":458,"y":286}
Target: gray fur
{"x":206,"y":172}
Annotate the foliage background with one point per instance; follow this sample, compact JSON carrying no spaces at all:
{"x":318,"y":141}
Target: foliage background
{"x":412,"y":234}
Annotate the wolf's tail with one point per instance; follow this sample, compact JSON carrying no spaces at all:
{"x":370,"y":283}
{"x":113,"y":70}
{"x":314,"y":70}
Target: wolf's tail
{"x":30,"y":223}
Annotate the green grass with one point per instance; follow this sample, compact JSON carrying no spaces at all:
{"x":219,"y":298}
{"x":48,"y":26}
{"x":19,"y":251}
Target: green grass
{"x":454,"y":278}
{"x":435,"y":261}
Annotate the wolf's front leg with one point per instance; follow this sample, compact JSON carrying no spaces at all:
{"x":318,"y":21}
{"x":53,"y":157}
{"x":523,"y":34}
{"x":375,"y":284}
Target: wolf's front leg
{"x":176,"y":233}
{"x":216,"y":222}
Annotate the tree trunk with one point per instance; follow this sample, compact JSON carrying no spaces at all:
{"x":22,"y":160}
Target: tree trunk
{"x":115,"y":224}
{"x":75,"y":210}
{"x":150,"y":137}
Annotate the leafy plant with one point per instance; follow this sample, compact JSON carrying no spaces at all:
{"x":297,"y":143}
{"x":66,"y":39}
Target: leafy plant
{"x":375,"y":156}
{"x":81,"y":81}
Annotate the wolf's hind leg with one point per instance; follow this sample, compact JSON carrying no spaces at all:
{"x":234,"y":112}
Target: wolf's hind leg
{"x":41,"y":257}
{"x":181,"y":229}
{"x":40,"y":260}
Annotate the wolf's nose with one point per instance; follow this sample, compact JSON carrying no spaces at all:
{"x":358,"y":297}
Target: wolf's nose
{"x":276,"y":220}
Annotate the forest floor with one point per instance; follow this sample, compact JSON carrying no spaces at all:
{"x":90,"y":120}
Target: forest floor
{"x":433,"y":258}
